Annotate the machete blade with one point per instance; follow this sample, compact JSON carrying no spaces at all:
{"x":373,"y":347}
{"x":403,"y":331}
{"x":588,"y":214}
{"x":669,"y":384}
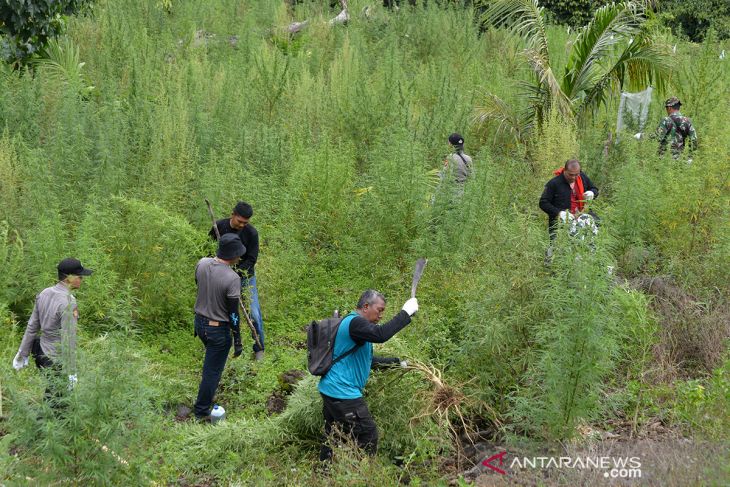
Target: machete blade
{"x":417,"y":273}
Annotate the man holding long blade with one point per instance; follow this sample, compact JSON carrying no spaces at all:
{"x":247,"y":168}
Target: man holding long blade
{"x":238,"y":224}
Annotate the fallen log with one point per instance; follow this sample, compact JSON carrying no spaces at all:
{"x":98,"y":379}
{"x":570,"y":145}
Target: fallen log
{"x":340,"y":18}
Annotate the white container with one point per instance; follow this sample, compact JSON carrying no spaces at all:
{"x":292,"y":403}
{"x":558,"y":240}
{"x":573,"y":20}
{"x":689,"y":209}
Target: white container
{"x":217,"y":414}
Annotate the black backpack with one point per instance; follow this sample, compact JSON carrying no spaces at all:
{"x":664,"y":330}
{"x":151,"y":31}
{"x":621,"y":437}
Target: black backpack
{"x":321,"y":345}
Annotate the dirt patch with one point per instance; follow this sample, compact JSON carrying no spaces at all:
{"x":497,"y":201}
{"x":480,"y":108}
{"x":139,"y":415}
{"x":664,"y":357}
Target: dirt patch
{"x":276,"y":403}
{"x":656,"y":456}
{"x":182,"y":413}
{"x":290,"y":378}
{"x":692,"y":333}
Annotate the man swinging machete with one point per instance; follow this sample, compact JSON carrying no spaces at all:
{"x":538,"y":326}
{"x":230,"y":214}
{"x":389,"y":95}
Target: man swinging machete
{"x":341,"y":388}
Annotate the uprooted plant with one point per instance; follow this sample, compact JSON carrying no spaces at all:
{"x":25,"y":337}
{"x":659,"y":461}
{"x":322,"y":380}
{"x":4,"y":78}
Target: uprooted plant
{"x":447,"y":404}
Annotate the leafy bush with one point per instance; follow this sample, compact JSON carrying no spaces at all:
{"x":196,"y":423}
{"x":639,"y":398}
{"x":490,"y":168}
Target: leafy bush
{"x":577,"y":343}
{"x":28,"y":26}
{"x":693,"y":20}
{"x":572,"y":12}
{"x":98,"y":432}
{"x":700,"y":405}
{"x":156,"y":253}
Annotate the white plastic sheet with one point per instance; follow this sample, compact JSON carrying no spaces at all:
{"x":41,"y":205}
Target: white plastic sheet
{"x":633,"y":111}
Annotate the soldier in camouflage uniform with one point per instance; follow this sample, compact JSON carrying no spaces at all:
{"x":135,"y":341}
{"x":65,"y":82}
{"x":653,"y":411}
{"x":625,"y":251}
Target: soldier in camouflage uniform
{"x":675,"y":129}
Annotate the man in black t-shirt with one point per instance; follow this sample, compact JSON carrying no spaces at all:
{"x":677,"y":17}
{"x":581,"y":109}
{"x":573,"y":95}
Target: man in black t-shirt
{"x":238,"y":224}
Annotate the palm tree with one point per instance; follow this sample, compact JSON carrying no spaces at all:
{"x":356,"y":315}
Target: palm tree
{"x":612,"y":51}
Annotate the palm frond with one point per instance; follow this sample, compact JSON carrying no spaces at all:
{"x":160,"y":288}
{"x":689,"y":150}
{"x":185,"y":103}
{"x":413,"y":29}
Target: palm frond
{"x":641,"y":63}
{"x":648,"y":63}
{"x":508,"y":121}
{"x":61,"y":61}
{"x":549,"y":83}
{"x":524,"y":18}
{"x":611,"y":25}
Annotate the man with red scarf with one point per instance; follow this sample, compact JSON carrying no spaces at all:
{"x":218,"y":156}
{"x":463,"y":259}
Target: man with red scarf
{"x":566,"y":192}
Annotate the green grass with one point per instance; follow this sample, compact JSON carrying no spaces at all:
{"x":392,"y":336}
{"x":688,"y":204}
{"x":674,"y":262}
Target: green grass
{"x":335,"y":136}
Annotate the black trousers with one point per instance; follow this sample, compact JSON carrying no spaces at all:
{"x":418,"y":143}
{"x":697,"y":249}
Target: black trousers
{"x":353,"y":418}
{"x":56,"y":385}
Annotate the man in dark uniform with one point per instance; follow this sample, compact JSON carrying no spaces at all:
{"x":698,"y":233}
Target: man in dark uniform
{"x":238,"y":224}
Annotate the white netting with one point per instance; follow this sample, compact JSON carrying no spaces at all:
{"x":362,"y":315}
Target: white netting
{"x":633,"y":111}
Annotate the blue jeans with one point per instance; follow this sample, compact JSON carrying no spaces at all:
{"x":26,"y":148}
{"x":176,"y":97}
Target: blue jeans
{"x":217,"y":341}
{"x":249,"y":289}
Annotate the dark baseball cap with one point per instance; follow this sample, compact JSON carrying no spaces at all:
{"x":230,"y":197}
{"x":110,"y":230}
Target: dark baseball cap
{"x":73,"y":267}
{"x":230,"y":247}
{"x":456,"y":139}
{"x":672,"y":102}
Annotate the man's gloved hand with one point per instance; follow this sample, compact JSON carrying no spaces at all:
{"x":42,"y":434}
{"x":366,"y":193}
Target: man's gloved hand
{"x":237,"y":345}
{"x":19,"y":362}
{"x":563,"y":215}
{"x":411,"y":306}
{"x":72,"y":381}
{"x":404,"y":364}
{"x":589,"y":195}
{"x":638,"y":135}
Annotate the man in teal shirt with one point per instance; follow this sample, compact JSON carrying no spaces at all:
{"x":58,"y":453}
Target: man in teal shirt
{"x":343,"y":386}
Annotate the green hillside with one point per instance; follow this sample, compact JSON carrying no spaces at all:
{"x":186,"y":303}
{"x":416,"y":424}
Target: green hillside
{"x":112,"y":140}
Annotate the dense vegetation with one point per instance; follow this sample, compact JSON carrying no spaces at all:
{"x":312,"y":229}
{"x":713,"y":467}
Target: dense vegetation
{"x":109,"y":145}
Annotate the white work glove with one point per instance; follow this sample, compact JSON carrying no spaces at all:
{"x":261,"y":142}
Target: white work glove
{"x":563,"y":215}
{"x":72,"y":381}
{"x":638,"y":135}
{"x":404,"y":364}
{"x":19,"y":362}
{"x":589,"y":195}
{"x":411,"y":306}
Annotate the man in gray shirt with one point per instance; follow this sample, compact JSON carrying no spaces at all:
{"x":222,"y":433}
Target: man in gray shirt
{"x":457,"y":169}
{"x":51,"y":333}
{"x":216,"y":316}
{"x":458,"y":163}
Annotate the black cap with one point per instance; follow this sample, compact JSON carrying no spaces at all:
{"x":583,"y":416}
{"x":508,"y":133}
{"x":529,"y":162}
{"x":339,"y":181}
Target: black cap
{"x":72,"y":267}
{"x":230,"y":247}
{"x":456,"y":139}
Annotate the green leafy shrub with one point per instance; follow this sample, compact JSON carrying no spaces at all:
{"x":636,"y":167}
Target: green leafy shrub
{"x":577,"y":344}
{"x":572,"y":12}
{"x":693,"y":20}
{"x":98,"y":433}
{"x":28,"y":26}
{"x":700,"y":405}
{"x":153,"y":250}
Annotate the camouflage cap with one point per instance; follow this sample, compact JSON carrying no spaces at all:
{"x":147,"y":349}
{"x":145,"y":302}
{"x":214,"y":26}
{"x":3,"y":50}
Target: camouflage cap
{"x":672,"y":102}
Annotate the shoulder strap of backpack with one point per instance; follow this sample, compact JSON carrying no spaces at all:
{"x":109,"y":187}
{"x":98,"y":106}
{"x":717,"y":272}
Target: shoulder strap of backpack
{"x":463,"y":160}
{"x":351,"y":351}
